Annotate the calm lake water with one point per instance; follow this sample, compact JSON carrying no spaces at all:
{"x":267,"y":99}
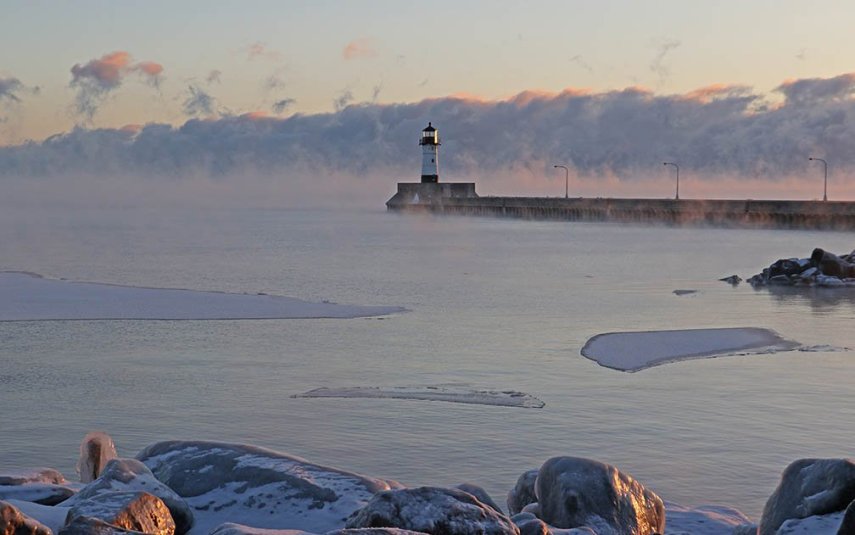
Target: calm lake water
{"x":495,"y":304}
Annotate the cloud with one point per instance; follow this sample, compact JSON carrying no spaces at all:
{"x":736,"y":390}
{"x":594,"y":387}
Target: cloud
{"x":260,"y":50}
{"x":95,"y":79}
{"x":343,"y":99}
{"x":375,"y":92}
{"x":214,"y":77}
{"x":281,"y":105}
{"x":359,"y":49}
{"x":658,"y":65}
{"x":11,"y":90}
{"x":719,"y":134}
{"x":198,"y":103}
{"x":580,"y":61}
{"x":812,"y":91}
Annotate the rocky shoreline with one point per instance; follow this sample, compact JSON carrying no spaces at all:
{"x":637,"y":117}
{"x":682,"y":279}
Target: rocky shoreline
{"x":201,"y":488}
{"x":822,"y":269}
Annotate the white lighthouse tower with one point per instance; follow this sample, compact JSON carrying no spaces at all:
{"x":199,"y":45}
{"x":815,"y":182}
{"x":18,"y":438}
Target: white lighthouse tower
{"x":430,"y":154}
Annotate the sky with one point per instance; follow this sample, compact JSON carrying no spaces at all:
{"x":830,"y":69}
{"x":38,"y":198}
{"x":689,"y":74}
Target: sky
{"x":741,"y":92}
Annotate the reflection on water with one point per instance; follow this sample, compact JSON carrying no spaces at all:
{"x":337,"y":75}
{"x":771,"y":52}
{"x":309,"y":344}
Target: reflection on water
{"x":819,"y":299}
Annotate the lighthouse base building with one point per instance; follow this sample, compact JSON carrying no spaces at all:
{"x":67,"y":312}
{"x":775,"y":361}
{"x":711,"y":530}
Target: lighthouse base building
{"x":430,"y":192}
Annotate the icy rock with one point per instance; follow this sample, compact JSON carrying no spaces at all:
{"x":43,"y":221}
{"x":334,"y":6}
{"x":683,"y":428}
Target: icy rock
{"x":575,"y":492}
{"x":230,"y":528}
{"x":745,"y":529}
{"x":733,"y":280}
{"x":14,"y":522}
{"x":847,"y":525}
{"x":249,"y":485}
{"x":96,"y":449}
{"x":523,"y":492}
{"x":136,"y":511}
{"x":828,"y":281}
{"x":809,"y":487}
{"x":45,"y":486}
{"x":531,"y":525}
{"x":121,"y":475}
{"x":93,"y":526}
{"x":52,"y":516}
{"x":433,"y":510}
{"x":703,"y":520}
{"x":374,"y":531}
{"x":812,"y":525}
{"x":809,"y":273}
{"x":481,"y":494}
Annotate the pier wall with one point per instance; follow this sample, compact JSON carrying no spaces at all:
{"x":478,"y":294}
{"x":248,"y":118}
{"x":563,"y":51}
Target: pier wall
{"x":831,"y":215}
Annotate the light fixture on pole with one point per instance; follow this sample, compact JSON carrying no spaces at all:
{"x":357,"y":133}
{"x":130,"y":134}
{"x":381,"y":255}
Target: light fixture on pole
{"x":825,"y":174}
{"x":566,"y":179}
{"x":677,"y":167}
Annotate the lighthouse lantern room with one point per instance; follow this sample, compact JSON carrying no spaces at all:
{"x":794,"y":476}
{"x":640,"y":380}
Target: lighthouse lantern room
{"x":430,"y":154}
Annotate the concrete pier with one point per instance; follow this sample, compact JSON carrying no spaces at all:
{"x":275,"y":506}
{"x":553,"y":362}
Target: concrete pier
{"x":820,"y":215}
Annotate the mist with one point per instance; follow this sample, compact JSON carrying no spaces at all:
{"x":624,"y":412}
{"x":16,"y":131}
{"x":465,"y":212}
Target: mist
{"x":730,"y":142}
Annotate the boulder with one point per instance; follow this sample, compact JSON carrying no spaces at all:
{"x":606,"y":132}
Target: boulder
{"x":374,"y":531}
{"x":120,"y":475}
{"x":253,"y":486}
{"x":95,"y":450}
{"x":809,"y":487}
{"x":230,"y":528}
{"x":575,"y":492}
{"x":481,"y":494}
{"x":523,"y":492}
{"x":733,"y":280}
{"x":703,"y":520}
{"x":132,"y":510}
{"x":52,"y":516}
{"x":44,"y":485}
{"x":83,"y":525}
{"x":847,"y":525}
{"x":14,"y":522}
{"x":433,"y":510}
{"x":529,"y":524}
{"x":812,"y":525}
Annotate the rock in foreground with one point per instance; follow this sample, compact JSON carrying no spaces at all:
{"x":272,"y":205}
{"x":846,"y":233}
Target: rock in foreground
{"x":13,"y":522}
{"x":433,"y":510}
{"x":809,"y":487}
{"x":135,"y":511}
{"x":575,"y":492}
{"x":258,"y":487}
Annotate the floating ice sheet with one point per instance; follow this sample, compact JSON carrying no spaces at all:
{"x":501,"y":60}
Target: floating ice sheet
{"x":633,"y":351}
{"x":26,"y":296}
{"x":452,"y":393}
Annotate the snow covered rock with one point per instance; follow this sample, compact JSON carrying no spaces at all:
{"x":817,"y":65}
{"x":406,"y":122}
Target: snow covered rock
{"x":809,"y":487}
{"x":136,"y":511}
{"x":479,"y":493}
{"x":258,"y":487}
{"x":575,"y":492}
{"x":92,"y":526}
{"x":230,"y":528}
{"x":14,"y":522}
{"x":374,"y":531}
{"x":44,"y":485}
{"x":812,"y":525}
{"x":432,"y":510}
{"x":703,"y":520}
{"x":131,"y":475}
{"x":847,"y":525}
{"x":523,"y":492}
{"x":95,"y":450}
{"x":51,"y":516}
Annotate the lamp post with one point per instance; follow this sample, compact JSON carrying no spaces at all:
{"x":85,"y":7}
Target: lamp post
{"x":566,"y":179}
{"x":825,"y":174}
{"x":677,"y":167}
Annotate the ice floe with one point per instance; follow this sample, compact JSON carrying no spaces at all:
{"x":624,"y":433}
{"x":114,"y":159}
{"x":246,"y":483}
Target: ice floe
{"x":27,"y":296}
{"x":451,"y":393}
{"x":633,"y":351}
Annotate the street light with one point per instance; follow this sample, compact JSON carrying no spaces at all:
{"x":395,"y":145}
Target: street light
{"x":825,"y":182}
{"x":566,"y":178}
{"x":677,"y":167}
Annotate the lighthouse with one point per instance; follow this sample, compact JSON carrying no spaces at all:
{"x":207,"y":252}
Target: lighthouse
{"x":430,"y":154}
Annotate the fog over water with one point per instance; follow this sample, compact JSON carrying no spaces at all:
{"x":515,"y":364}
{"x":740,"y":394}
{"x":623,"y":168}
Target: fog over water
{"x":495,"y":305}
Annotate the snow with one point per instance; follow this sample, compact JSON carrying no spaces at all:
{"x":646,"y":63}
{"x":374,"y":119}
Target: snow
{"x":27,"y":296}
{"x":812,"y":525}
{"x":451,"y":393}
{"x":633,"y":351}
{"x":703,"y":520}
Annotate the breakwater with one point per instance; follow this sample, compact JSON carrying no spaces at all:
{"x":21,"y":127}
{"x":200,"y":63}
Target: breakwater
{"x":824,"y":215}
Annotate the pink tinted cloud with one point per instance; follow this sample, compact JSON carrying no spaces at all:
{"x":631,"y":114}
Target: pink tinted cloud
{"x":95,"y":79}
{"x":106,"y":72}
{"x":260,"y":50}
{"x":359,"y":48}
